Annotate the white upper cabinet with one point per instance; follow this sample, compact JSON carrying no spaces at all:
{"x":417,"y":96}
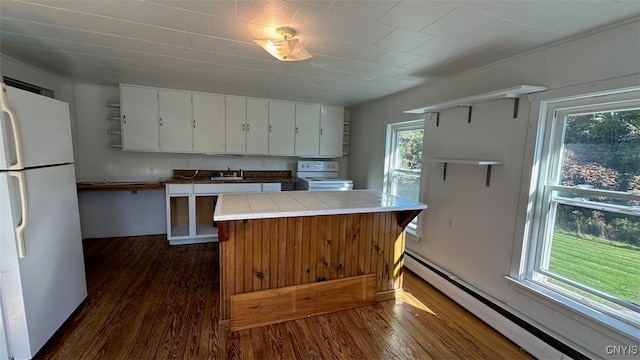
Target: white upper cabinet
{"x":140,"y":120}
{"x":331,"y":130}
{"x":307,"y":130}
{"x":282,"y":119}
{"x":208,"y":123}
{"x":246,"y":125}
{"x":256,"y":129}
{"x":176,"y":134}
{"x":235,"y":124}
{"x":185,"y":122}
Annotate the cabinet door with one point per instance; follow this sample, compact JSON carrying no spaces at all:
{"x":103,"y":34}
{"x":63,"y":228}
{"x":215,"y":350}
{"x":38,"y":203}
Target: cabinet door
{"x":331,"y":130}
{"x":235,"y":124}
{"x":282,"y":118}
{"x":307,"y":129}
{"x":257,"y":122}
{"x":176,"y":132}
{"x":208,"y":123}
{"x":140,"y":122}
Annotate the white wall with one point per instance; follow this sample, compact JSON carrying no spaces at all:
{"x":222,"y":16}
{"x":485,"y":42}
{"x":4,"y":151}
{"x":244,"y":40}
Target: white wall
{"x":479,"y":250}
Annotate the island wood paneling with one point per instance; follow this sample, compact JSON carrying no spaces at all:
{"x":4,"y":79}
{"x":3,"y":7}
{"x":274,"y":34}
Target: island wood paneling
{"x":259,"y":308}
{"x":263,"y":254}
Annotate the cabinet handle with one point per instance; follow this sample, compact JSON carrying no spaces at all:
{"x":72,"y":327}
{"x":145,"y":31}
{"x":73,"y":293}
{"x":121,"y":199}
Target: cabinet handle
{"x":320,"y":131}
{"x":124,"y":119}
{"x":243,"y":127}
{"x":269,"y":128}
{"x":296,"y":129}
{"x":194,"y":124}
{"x":160,"y":121}
{"x":247,"y":127}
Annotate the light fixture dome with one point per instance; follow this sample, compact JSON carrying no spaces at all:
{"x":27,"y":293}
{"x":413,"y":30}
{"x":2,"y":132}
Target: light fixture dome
{"x":286,"y":49}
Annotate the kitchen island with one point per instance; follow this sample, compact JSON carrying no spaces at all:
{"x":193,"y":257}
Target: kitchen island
{"x":295,"y":254}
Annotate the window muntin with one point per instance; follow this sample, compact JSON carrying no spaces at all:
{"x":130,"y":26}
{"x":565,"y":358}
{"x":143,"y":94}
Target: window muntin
{"x":404,"y":161}
{"x":587,"y":236}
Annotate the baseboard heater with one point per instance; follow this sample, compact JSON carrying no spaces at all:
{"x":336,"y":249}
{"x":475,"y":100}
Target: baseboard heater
{"x":551,"y":341}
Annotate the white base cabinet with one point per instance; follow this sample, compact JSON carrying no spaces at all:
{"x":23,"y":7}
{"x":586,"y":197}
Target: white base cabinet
{"x":190,"y":209}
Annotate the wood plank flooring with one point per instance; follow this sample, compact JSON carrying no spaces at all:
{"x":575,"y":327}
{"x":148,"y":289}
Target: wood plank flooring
{"x":148,"y":300}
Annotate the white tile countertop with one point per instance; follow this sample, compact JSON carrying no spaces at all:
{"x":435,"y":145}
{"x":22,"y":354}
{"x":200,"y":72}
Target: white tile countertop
{"x":242,"y":206}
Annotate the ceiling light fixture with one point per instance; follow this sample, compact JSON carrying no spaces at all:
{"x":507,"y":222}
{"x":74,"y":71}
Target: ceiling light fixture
{"x":287,"y":49}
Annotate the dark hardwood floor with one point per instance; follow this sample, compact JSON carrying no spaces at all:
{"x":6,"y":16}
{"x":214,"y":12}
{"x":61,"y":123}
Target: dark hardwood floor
{"x":148,"y":300}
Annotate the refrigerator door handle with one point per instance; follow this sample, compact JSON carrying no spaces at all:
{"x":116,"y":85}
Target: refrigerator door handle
{"x":20,"y":243}
{"x":4,"y":104}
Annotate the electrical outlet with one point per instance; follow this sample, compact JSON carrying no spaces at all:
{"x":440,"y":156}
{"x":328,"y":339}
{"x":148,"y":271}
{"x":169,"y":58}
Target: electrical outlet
{"x":452,"y":223}
{"x":187,"y":162}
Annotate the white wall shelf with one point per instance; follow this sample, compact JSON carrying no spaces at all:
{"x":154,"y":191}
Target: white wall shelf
{"x":508,"y":93}
{"x":115,"y":129}
{"x":487,"y":163}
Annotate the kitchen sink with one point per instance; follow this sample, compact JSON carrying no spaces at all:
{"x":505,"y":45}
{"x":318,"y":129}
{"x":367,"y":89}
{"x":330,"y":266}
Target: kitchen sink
{"x":221,"y":178}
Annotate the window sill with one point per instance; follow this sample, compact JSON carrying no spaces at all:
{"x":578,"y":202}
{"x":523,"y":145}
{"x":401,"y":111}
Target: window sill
{"x":412,"y":234}
{"x":587,"y":316}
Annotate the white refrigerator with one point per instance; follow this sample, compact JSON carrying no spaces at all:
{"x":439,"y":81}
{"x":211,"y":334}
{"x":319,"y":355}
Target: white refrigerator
{"x":42,"y":274}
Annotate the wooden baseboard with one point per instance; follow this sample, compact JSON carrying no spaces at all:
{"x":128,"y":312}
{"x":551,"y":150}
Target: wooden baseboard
{"x":389,"y":295}
{"x":259,"y":308}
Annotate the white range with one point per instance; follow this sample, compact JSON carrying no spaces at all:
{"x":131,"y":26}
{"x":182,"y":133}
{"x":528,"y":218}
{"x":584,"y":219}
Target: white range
{"x":321,"y":175}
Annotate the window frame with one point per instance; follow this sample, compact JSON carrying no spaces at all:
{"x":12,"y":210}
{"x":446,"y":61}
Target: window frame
{"x":413,"y":229}
{"x":545,"y":181}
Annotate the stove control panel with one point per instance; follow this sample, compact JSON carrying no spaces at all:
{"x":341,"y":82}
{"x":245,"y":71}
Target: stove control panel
{"x":317,"y":165}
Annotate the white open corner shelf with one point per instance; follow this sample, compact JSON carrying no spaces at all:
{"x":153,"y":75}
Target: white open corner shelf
{"x":508,"y":93}
{"x":487,"y":163}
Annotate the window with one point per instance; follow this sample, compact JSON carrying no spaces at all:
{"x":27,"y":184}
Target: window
{"x":404,"y":161}
{"x":585,"y":235}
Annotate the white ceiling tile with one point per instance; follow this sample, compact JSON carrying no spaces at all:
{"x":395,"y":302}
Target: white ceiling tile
{"x":458,"y":23}
{"x":331,"y":74}
{"x":320,"y":4}
{"x":232,"y":60}
{"x":477,"y":4}
{"x":235,"y":30}
{"x":371,"y":10}
{"x":389,"y":71}
{"x":308,"y":80}
{"x":403,"y":40}
{"x":395,"y":58}
{"x":442,"y":47}
{"x":531,"y":39}
{"x":521,"y":9}
{"x":210,"y":43}
{"x":330,"y":47}
{"x":279,"y":75}
{"x":364,"y":31}
{"x":420,"y":63}
{"x":317,"y":22}
{"x":416,"y":15}
{"x":631,"y":3}
{"x":582,"y":16}
{"x":221,"y":8}
{"x":271,"y":13}
{"x":362,"y":52}
{"x":496,"y":33}
{"x":302,"y":69}
{"x":326,"y":62}
{"x":360,"y":67}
